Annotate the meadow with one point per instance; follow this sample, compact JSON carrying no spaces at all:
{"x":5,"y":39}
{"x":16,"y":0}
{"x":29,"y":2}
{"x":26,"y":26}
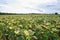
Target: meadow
{"x":30,"y":27}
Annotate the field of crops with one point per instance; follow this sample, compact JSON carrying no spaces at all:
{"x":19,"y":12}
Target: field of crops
{"x":30,"y":27}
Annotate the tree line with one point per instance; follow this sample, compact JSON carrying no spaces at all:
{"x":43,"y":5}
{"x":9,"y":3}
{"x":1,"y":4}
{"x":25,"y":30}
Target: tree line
{"x":2,"y":13}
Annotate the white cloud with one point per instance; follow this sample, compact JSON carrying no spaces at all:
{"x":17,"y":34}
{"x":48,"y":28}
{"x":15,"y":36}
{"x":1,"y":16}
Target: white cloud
{"x":18,"y":9}
{"x":25,"y":6}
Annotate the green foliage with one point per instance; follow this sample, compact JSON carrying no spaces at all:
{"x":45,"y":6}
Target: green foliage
{"x":29,"y":27}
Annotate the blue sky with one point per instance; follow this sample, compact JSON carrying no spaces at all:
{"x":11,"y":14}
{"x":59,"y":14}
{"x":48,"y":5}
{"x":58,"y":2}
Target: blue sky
{"x":30,"y":6}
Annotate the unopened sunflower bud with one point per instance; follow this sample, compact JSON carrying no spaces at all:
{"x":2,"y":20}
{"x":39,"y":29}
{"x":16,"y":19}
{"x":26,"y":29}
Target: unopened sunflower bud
{"x":16,"y":32}
{"x":10,"y":28}
{"x":20,"y":26}
{"x":26,"y":32}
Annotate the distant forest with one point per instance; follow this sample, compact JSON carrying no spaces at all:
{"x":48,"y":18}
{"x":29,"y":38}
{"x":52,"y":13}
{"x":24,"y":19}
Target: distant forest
{"x":2,"y":13}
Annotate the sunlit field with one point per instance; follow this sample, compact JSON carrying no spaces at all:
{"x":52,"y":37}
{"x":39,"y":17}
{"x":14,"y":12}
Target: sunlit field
{"x":30,"y":27}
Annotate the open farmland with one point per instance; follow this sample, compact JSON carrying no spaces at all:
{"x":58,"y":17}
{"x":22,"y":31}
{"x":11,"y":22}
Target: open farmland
{"x":30,"y":27}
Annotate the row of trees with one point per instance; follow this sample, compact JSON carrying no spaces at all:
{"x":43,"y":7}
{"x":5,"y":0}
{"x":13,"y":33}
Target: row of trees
{"x":1,"y":13}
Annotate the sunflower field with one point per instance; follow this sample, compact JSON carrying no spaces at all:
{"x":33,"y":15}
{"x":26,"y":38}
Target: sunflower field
{"x":30,"y":27}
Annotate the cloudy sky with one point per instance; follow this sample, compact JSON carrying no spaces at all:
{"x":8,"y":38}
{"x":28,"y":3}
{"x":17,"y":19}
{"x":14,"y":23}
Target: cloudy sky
{"x":30,"y":6}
